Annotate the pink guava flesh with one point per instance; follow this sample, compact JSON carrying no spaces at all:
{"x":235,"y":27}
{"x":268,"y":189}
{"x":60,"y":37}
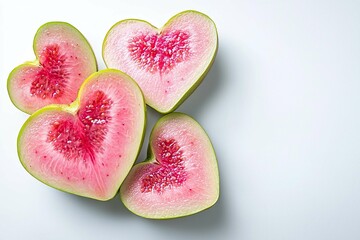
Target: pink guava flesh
{"x":181,"y":175}
{"x":64,"y":60}
{"x":51,"y":79}
{"x":82,"y":137}
{"x":167,"y":63}
{"x":169,"y":171}
{"x":160,"y":52}
{"x":87,"y":148}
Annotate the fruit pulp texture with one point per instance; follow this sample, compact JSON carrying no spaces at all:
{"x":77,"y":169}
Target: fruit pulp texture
{"x":169,"y":171}
{"x":160,"y":52}
{"x":50,"y":81}
{"x":82,"y":136}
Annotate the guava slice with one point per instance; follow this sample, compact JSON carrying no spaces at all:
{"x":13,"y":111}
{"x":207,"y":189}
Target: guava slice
{"x":64,"y":59}
{"x":167,"y":63}
{"x":87,"y":148}
{"x":180,"y":176}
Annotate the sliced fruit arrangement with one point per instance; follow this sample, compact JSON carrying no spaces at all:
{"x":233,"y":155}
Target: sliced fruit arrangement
{"x":64,"y":59}
{"x":180,"y":176}
{"x":167,"y":63}
{"x":87,"y":148}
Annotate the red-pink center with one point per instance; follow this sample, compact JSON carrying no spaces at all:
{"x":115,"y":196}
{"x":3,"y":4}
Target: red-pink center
{"x":51,"y":80}
{"x":160,"y":52}
{"x":82,"y":136}
{"x":170,"y":170}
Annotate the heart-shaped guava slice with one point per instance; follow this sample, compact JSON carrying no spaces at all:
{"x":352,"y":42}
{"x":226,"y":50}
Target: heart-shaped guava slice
{"x":180,"y":176}
{"x":167,"y":63}
{"x":64,"y":59}
{"x":87,"y":148}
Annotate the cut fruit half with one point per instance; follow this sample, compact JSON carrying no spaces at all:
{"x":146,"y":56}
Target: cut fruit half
{"x":167,"y":63}
{"x":180,"y":176}
{"x":64,"y":59}
{"x":87,"y":148}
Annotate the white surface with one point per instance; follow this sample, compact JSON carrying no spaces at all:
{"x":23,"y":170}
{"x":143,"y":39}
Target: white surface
{"x":281,"y":105}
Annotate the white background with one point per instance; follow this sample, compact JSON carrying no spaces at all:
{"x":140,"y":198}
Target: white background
{"x":281,"y":105}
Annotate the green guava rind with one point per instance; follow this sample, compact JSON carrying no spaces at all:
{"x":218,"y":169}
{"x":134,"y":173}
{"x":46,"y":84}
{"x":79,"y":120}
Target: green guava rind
{"x":151,"y":160}
{"x":193,"y":87}
{"x":73,"y":108}
{"x":10,"y":88}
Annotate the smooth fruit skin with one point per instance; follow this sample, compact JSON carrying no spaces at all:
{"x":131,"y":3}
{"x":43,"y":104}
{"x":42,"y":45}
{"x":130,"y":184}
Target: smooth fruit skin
{"x":151,"y":160}
{"x":193,"y":87}
{"x":73,"y":109}
{"x":36,"y":63}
